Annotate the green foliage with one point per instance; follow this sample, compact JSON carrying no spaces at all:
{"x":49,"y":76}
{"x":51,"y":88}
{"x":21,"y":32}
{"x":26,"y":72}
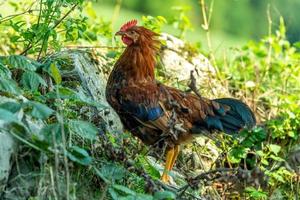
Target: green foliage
{"x":39,"y":110}
{"x":54,"y":72}
{"x":31,"y":80}
{"x":79,"y":155}
{"x":268,"y":73}
{"x":84,"y":129}
{"x":10,"y":86}
{"x":154,"y":23}
{"x":256,"y":194}
{"x":182,"y":21}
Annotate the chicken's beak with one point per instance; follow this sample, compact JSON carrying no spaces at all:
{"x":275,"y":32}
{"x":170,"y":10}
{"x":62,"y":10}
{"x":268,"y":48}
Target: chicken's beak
{"x":120,"y":33}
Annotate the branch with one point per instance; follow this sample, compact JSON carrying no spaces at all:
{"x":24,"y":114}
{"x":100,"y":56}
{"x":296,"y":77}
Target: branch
{"x":29,"y":10}
{"x":192,"y":84}
{"x":7,"y":18}
{"x":94,"y":47}
{"x":205,"y":26}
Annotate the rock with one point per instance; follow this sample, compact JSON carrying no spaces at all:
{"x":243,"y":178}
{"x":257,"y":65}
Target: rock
{"x":7,"y":148}
{"x":91,"y":73}
{"x":12,"y":183}
{"x":178,"y":59}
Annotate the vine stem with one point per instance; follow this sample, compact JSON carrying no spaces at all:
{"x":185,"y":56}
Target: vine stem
{"x":205,"y":26}
{"x":7,"y":18}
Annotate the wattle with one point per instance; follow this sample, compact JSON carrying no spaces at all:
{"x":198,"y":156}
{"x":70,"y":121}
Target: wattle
{"x":126,"y":40}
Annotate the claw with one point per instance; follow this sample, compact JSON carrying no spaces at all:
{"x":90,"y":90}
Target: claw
{"x":165,"y":178}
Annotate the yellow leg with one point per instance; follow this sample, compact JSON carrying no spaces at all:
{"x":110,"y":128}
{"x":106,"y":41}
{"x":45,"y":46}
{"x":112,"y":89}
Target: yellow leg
{"x":176,"y":152}
{"x":165,"y":177}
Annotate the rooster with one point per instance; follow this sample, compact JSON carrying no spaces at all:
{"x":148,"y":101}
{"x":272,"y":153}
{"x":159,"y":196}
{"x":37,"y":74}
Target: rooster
{"x":157,"y":113}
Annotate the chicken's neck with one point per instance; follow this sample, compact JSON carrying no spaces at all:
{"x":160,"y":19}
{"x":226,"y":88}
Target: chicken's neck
{"x":137,"y":64}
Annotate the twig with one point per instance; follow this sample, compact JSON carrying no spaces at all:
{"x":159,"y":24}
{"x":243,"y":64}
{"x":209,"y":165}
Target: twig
{"x":192,"y":84}
{"x":195,"y":181}
{"x":40,"y":13}
{"x":59,"y":21}
{"x":93,"y":47}
{"x":205,"y":26}
{"x":7,"y":18}
{"x":56,"y":164}
{"x":52,"y":183}
{"x":104,"y":191}
{"x":270,"y":23}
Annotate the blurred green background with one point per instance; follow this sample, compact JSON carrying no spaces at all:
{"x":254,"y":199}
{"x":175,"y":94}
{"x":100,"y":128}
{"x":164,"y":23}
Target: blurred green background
{"x":232,"y":21}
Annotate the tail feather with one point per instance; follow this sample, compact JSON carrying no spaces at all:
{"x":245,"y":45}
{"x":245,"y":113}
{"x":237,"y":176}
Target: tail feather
{"x":239,"y":116}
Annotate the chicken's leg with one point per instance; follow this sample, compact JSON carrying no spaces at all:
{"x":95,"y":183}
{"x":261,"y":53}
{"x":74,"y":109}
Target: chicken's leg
{"x":176,"y":152}
{"x":170,"y":154}
{"x":170,"y":161}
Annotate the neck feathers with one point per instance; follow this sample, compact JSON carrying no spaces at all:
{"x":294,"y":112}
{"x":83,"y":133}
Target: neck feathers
{"x":138,"y":60}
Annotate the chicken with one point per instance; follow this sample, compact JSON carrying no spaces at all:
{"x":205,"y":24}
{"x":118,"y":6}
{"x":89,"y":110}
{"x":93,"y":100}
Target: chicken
{"x":157,"y":113}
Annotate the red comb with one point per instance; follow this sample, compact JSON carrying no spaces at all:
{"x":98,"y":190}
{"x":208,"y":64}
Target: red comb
{"x":128,"y":25}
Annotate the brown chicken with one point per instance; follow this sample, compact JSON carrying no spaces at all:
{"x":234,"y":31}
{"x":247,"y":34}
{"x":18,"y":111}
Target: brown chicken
{"x":156,"y":113}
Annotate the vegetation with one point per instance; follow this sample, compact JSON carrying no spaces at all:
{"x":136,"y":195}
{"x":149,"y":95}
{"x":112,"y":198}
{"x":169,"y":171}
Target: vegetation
{"x":72,"y":156}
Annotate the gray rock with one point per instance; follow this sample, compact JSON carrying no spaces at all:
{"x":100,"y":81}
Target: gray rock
{"x":92,"y":76}
{"x":7,"y":148}
{"x":179,"y":60}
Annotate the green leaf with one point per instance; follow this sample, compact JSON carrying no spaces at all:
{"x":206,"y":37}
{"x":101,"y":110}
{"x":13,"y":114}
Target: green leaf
{"x":10,"y":86}
{"x":101,"y":175}
{"x":275,"y":148}
{"x":84,"y":99}
{"x":11,"y":106}
{"x":297,"y":45}
{"x":84,"y":129}
{"x":4,"y":72}
{"x":114,"y":195}
{"x":32,"y":80}
{"x":112,"y":172}
{"x":161,"y":195}
{"x":55,"y":73}
{"x":124,"y":189}
{"x":52,"y":129}
{"x":277,"y":158}
{"x":67,"y":93}
{"x":79,"y":155}
{"x":150,"y":169}
{"x":256,"y":193}
{"x":62,"y":92}
{"x":143,"y":197}
{"x":40,"y":142}
{"x":7,"y":116}
{"x":236,"y":154}
{"x":21,"y":62}
{"x":39,"y":110}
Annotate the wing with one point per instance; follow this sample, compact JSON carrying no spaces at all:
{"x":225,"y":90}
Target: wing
{"x":143,"y":101}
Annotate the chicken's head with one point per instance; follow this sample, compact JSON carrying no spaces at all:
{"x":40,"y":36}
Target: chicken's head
{"x":131,"y":34}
